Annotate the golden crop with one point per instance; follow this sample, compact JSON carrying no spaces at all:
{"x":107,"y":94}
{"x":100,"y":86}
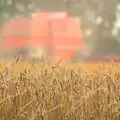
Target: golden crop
{"x":59,"y":91}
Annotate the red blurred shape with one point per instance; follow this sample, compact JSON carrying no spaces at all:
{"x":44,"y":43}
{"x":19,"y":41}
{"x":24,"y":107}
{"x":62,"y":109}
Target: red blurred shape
{"x":58,"y":32}
{"x":16,"y":32}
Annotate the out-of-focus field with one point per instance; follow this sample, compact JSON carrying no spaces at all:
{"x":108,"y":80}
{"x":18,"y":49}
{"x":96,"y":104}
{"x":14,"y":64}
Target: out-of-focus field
{"x":59,"y":91}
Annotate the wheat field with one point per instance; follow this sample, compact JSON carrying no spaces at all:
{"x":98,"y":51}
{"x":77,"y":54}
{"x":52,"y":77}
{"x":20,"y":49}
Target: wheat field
{"x":59,"y":91}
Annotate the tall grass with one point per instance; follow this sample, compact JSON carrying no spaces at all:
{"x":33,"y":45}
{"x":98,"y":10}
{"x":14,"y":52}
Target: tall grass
{"x":59,"y":91}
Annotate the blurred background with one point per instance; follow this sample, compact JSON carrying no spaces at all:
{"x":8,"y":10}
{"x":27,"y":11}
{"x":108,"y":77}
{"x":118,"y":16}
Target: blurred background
{"x":30,"y":28}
